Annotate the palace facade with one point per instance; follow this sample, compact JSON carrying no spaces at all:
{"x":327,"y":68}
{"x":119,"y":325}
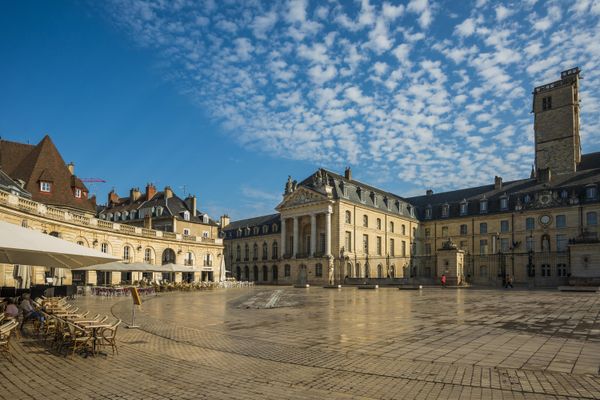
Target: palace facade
{"x":540,"y":231}
{"x":38,"y":190}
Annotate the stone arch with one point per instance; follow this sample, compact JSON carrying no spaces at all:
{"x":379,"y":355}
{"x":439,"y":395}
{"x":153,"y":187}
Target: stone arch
{"x":275,"y":273}
{"x":380,"y":271}
{"x":238,"y":273}
{"x":190,"y":258}
{"x":358,"y":271}
{"x":168,"y":256}
{"x":246,"y":273}
{"x":255,"y":270}
{"x":128,"y":253}
{"x":81,"y":239}
{"x":349,"y":270}
{"x":149,"y":255}
{"x":392,"y":271}
{"x":265,"y":273}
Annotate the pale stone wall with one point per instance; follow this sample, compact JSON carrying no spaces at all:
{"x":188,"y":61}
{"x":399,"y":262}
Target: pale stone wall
{"x":92,"y":232}
{"x":585,"y":260}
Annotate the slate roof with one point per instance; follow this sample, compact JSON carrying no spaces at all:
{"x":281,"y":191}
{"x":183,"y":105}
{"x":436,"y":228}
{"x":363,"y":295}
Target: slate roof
{"x":32,"y":163}
{"x":9,"y":185}
{"x":173,"y":206}
{"x":572,"y":186}
{"x":259,"y":222}
{"x":397,"y":204}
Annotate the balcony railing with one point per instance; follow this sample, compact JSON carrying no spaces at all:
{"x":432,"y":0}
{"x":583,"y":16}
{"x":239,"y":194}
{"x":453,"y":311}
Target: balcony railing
{"x":188,"y":263}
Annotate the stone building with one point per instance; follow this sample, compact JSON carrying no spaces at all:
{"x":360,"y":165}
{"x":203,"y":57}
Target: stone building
{"x":540,"y":231}
{"x":39,"y":191}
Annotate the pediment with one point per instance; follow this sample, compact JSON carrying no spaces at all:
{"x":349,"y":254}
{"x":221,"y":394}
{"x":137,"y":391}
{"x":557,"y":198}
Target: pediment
{"x":300,"y":197}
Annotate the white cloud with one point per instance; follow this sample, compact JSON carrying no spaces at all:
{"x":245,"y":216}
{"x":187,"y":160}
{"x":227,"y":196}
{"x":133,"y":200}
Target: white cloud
{"x":502,"y":13}
{"x":321,"y":75}
{"x":422,"y":8}
{"x":263,"y":24}
{"x":465,"y":28}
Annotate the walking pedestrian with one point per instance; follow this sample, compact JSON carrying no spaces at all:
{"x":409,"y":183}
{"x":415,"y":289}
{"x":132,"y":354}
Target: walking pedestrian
{"x":444,"y":280}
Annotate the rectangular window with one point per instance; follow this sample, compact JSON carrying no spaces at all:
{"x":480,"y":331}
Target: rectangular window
{"x":427,"y":248}
{"x":427,"y":233}
{"x":504,"y":227}
{"x":379,"y":223}
{"x":561,"y":270}
{"x":483,"y":206}
{"x":561,"y":221}
{"x":591,"y":218}
{"x":463,"y":229}
{"x":546,"y":270}
{"x":530,"y":224}
{"x":403,"y":248}
{"x":504,"y":203}
{"x":366,"y":244}
{"x":529,"y":244}
{"x":319,"y":270}
{"x":348,"y":241}
{"x":483,"y":246}
{"x":504,"y":245}
{"x":561,"y":243}
{"x":322,"y":242}
{"x":392,"y":248}
{"x":287,"y":270}
{"x":378,"y":245}
{"x":78,"y":193}
{"x":547,"y":103}
{"x":483,"y":227}
{"x":186,"y":232}
{"x":444,"y":231}
{"x":463,"y":209}
{"x":45,"y":187}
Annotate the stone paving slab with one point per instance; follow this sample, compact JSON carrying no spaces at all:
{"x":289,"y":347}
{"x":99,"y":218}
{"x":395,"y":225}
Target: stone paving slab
{"x":280,"y":343}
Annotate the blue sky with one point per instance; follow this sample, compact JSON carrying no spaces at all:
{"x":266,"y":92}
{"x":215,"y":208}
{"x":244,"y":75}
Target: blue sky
{"x":227,"y":98}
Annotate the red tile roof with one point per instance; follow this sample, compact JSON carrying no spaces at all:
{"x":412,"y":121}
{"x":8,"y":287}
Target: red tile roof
{"x":43,"y":162}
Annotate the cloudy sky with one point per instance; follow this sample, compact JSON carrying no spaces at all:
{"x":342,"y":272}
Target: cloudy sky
{"x":225,"y":99}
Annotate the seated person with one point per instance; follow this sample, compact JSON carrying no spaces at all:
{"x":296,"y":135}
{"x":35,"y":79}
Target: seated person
{"x":11,"y":310}
{"x":29,"y":312}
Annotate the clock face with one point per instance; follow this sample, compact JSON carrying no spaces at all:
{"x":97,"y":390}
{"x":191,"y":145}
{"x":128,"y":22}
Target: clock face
{"x":545,"y":219}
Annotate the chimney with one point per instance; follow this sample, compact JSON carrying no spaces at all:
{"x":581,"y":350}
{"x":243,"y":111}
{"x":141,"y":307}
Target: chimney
{"x":191,"y":204}
{"x":348,"y":173}
{"x":429,"y":192}
{"x":150,"y":191}
{"x":497,"y":182}
{"x":544,"y":175}
{"x":168,"y":192}
{"x":113,"y":197}
{"x":224,"y":221}
{"x":134,"y":194}
{"x":148,"y":221}
{"x":71,"y":167}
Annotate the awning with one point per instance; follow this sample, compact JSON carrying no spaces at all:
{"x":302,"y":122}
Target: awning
{"x":119,"y":267}
{"x":28,"y":247}
{"x":175,"y":268}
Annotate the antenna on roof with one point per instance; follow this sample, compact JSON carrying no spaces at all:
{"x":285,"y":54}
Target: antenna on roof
{"x":184,"y":188}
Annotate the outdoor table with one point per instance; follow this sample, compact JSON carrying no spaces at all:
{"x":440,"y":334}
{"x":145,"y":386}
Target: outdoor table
{"x":94,"y":328}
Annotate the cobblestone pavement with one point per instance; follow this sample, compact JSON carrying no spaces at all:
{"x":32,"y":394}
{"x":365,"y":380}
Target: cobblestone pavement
{"x":286,"y":343}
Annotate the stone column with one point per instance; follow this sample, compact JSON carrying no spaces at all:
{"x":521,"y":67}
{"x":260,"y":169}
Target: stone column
{"x":313,"y":234}
{"x":328,"y":232}
{"x":282,"y":246}
{"x":295,"y":251}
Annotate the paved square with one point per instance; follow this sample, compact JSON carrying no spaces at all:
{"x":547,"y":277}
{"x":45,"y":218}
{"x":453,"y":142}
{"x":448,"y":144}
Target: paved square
{"x":281,"y":342}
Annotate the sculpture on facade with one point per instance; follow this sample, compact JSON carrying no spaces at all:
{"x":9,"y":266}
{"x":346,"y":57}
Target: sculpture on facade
{"x":289,"y":186}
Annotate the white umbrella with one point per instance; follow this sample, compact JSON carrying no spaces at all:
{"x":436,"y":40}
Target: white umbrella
{"x":222,"y":272}
{"x":174,"y":268}
{"x":119,"y":267}
{"x":22,"y":275}
{"x":28,"y":247}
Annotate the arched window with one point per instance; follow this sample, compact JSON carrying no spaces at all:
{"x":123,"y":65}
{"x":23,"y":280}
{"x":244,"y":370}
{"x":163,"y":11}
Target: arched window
{"x":265,"y":228}
{"x":255,"y":251}
{"x":349,"y":272}
{"x":379,"y":223}
{"x":168,"y":256}
{"x":127,"y":253}
{"x":365,"y":221}
{"x":274,"y":253}
{"x":392,"y":271}
{"x":80,"y":242}
{"x":379,"y":271}
{"x":265,"y":251}
{"x":392,"y":226}
{"x":358,"y":272}
{"x":265,"y":271}
{"x":403,"y":229}
{"x":275,"y":228}
{"x":255,"y":277}
{"x":117,"y":216}
{"x":186,"y":215}
{"x":104,"y":247}
{"x":366,"y":270}
{"x":246,"y":252}
{"x":238,"y":273}
{"x":275,"y":273}
{"x":148,"y":256}
{"x":208,"y":260}
{"x":591,"y":218}
{"x":246,"y":273}
{"x":348,"y":217}
{"x":445,"y":210}
{"x":238,"y":253}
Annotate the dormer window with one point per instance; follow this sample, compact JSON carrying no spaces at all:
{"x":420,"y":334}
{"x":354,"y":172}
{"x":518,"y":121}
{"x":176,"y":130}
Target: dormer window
{"x":132,"y":214}
{"x":274,"y":228}
{"x":387,"y":202}
{"x":159,"y":211}
{"x":399,"y":206}
{"x":239,"y":233}
{"x":78,"y":193}
{"x":205,"y":219}
{"x":591,"y":192}
{"x":45,"y":187}
{"x":256,"y":230}
{"x":186,"y":215}
{"x":124,"y":215}
{"x":445,"y":210}
{"x":265,"y":229}
{"x":564,"y":194}
{"x":117,"y":216}
{"x":483,"y":206}
{"x":344,"y":188}
{"x":109,"y":216}
{"x":428,"y":212}
{"x":464,"y":207}
{"x":527,"y":199}
{"x":374,"y":199}
{"x":360,"y":194}
{"x":504,"y":202}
